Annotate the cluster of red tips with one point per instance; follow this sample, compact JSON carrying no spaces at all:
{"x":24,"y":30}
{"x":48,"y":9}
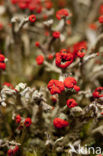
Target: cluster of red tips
{"x":27,"y":121}
{"x":62,"y":13}
{"x":78,"y":49}
{"x":71,"y":83}
{"x":63,"y":59}
{"x":60,"y":123}
{"x":66,"y":56}
{"x":55,"y":86}
{"x":98,"y":93}
{"x":33,"y":5}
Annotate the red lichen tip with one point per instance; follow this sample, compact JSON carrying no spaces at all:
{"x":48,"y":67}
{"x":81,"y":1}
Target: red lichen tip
{"x":40,"y":59}
{"x":71,"y":103}
{"x":32,"y":18}
{"x":56,"y":34}
{"x":27,"y":122}
{"x":50,"y":57}
{"x":101,"y":19}
{"x":18,"y":118}
{"x":60,"y":123}
{"x":2,"y":63}
{"x":37,"y":44}
{"x":10,"y":152}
